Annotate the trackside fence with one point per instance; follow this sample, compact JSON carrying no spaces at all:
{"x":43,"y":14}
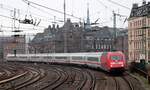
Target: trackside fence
{"x":141,"y":69}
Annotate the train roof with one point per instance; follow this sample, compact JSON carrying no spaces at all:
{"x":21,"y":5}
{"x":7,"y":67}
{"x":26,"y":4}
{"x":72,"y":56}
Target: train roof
{"x":90,"y":54}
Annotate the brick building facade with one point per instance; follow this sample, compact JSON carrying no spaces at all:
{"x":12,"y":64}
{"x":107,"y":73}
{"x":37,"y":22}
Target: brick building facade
{"x":139,"y":32}
{"x":12,"y":45}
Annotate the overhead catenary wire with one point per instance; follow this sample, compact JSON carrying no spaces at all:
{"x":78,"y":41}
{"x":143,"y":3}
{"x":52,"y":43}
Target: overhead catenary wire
{"x":18,"y":20}
{"x":101,"y":3}
{"x":42,"y":10}
{"x":19,"y":27}
{"x":35,"y":6}
{"x":113,"y":2}
{"x":27,"y":1}
{"x":6,"y":29}
{"x":46,"y":13}
{"x":113,"y":10}
{"x":4,"y":7}
{"x":21,"y":31}
{"x":6,"y":17}
{"x":106,"y":7}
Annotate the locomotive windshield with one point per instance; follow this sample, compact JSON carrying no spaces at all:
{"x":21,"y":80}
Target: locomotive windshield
{"x":116,"y":57}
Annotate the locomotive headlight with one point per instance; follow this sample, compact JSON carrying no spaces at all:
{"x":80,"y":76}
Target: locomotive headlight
{"x":110,"y":65}
{"x":122,"y":65}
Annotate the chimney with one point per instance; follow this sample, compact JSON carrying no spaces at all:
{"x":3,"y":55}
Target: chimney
{"x":53,"y":26}
{"x":135,"y":5}
{"x":49,"y":26}
{"x":57,"y":26}
{"x":68,"y":20}
{"x":144,"y":2}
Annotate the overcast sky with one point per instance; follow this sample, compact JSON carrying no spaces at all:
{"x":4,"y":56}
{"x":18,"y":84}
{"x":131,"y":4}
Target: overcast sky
{"x":98,"y":9}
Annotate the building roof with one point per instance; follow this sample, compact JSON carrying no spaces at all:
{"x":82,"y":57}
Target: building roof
{"x":140,"y":11}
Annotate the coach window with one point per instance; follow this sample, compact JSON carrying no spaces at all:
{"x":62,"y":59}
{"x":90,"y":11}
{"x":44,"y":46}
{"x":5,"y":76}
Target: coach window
{"x":48,"y":57}
{"x":35,"y":57}
{"x":61,"y":57}
{"x":76,"y":58}
{"x":24,"y":57}
{"x":92,"y":59}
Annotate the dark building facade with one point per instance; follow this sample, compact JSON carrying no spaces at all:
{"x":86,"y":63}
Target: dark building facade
{"x":73,"y":38}
{"x":98,"y":39}
{"x":122,"y":42}
{"x":53,"y":39}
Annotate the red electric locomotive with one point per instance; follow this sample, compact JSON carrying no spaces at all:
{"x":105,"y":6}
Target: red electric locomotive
{"x":113,"y":61}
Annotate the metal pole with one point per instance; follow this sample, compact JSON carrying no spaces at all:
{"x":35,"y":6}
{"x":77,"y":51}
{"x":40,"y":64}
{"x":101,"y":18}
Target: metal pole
{"x":65,"y":31}
{"x":14,"y":18}
{"x":64,"y":11}
{"x":114,"y":26}
{"x":14,"y":28}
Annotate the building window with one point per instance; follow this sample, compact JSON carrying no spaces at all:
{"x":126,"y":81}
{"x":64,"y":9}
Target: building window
{"x":130,"y":24}
{"x":144,"y":22}
{"x":149,"y":55}
{"x":148,"y":22}
{"x":149,"y":45}
{"x":140,"y":22}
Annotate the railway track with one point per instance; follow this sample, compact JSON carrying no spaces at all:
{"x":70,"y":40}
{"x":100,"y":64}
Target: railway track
{"x":116,"y":83}
{"x":60,"y":77}
{"x":132,"y":82}
{"x":7,"y":72}
{"x":10,"y":73}
{"x":123,"y":82}
{"x":23,"y":78}
{"x":89,"y":80}
{"x":34,"y":76}
{"x":46,"y":82}
{"x":93,"y":80}
{"x":82,"y":81}
{"x":69,"y":78}
{"x":128,"y":81}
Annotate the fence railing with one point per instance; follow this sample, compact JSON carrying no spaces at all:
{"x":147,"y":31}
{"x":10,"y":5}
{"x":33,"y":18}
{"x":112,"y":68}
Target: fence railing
{"x":141,"y":69}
